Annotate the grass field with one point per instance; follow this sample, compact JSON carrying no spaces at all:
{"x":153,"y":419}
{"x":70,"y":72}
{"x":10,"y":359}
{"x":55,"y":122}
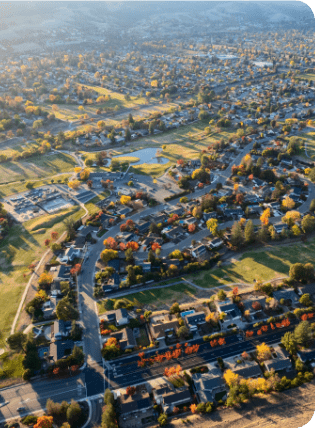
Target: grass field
{"x":260,"y":265}
{"x":20,"y":186}
{"x":21,"y":247}
{"x":91,"y":205}
{"x":309,"y":139}
{"x":306,"y":76}
{"x":36,"y":167}
{"x":154,"y":298}
{"x":11,"y":365}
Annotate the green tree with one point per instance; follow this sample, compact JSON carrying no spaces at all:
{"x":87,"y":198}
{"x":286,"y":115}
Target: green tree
{"x":65,"y":310}
{"x":249,"y":232}
{"x":306,"y":300}
{"x":17,"y":341}
{"x":303,"y":333}
{"x":109,"y":397}
{"x":221,"y":295}
{"x":109,"y":417}
{"x":237,"y":235}
{"x":312,"y":205}
{"x":289,"y":342}
{"x":308,"y":223}
{"x":74,"y":413}
{"x":175,"y":308}
{"x":162,"y":419}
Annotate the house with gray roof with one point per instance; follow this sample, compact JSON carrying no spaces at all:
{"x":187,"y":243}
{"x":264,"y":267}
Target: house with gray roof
{"x":207,"y":385}
{"x":287,"y":294}
{"x":280,"y":360}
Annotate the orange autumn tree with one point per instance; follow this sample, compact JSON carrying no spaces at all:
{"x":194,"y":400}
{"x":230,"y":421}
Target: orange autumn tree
{"x":133,"y":245}
{"x":168,"y":372}
{"x":110,"y":243}
{"x":191,"y":228}
{"x":193,"y":408}
{"x":264,"y":218}
{"x":44,"y":422}
{"x":155,"y":246}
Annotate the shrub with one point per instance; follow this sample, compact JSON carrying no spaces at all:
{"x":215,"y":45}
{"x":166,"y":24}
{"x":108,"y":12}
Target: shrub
{"x":29,"y":420}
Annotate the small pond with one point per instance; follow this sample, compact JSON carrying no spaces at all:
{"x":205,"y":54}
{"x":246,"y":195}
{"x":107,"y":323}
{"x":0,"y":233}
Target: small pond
{"x":146,"y":156}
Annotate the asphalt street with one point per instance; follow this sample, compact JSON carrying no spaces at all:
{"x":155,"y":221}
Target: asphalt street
{"x":33,"y":396}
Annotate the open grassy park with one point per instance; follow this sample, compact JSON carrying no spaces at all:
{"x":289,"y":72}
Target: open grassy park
{"x":36,"y":167}
{"x":156,"y":298}
{"x":22,"y":246}
{"x":264,"y":265}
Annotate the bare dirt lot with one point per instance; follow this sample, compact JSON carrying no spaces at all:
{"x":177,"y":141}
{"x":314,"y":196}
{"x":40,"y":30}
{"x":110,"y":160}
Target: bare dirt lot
{"x":288,"y":409}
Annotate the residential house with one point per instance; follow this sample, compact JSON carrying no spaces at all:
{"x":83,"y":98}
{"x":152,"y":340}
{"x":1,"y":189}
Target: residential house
{"x":132,"y":409}
{"x":230,"y":309}
{"x":124,"y":210}
{"x":163,"y":325}
{"x":49,"y":307}
{"x":200,"y":252}
{"x":143,"y":226}
{"x":215,"y":243}
{"x":280,"y":360}
{"x":60,"y":349}
{"x":60,"y":329}
{"x":207,"y":385}
{"x":169,"y":397}
{"x":126,"y":338}
{"x":71,"y":254}
{"x":119,"y":317}
{"x":107,"y":220}
{"x":194,"y":320}
{"x":287,"y":295}
{"x":307,"y":289}
{"x":243,"y":367}
{"x":306,"y":355}
{"x":60,"y":273}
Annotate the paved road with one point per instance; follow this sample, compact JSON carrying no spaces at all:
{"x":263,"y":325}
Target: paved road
{"x":33,"y":396}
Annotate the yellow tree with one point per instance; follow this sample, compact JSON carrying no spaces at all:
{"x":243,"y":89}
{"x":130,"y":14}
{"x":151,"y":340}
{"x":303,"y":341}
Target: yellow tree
{"x":230,"y":377}
{"x":263,"y":351}
{"x":212,"y":225}
{"x":45,"y":278}
{"x":291,"y":217}
{"x":84,"y":175}
{"x":288,"y":203}
{"x":108,"y":254}
{"x":125,"y":199}
{"x":74,"y":184}
{"x":77,"y":169}
{"x":264,"y":218}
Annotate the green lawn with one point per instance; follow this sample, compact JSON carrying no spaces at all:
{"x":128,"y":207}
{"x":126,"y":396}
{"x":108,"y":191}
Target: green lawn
{"x":11,"y":365}
{"x":22,"y":246}
{"x":309,"y":139}
{"x":155,"y":298}
{"x":306,"y":76}
{"x":143,"y":340}
{"x":91,"y":205}
{"x":20,"y":186}
{"x":36,"y":167}
{"x":259,"y":265}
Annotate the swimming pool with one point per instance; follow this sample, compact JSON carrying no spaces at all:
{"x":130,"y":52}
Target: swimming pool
{"x":183,"y":314}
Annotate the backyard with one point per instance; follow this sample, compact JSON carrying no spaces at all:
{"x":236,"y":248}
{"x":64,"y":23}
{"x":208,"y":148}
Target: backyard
{"x":23,"y":246}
